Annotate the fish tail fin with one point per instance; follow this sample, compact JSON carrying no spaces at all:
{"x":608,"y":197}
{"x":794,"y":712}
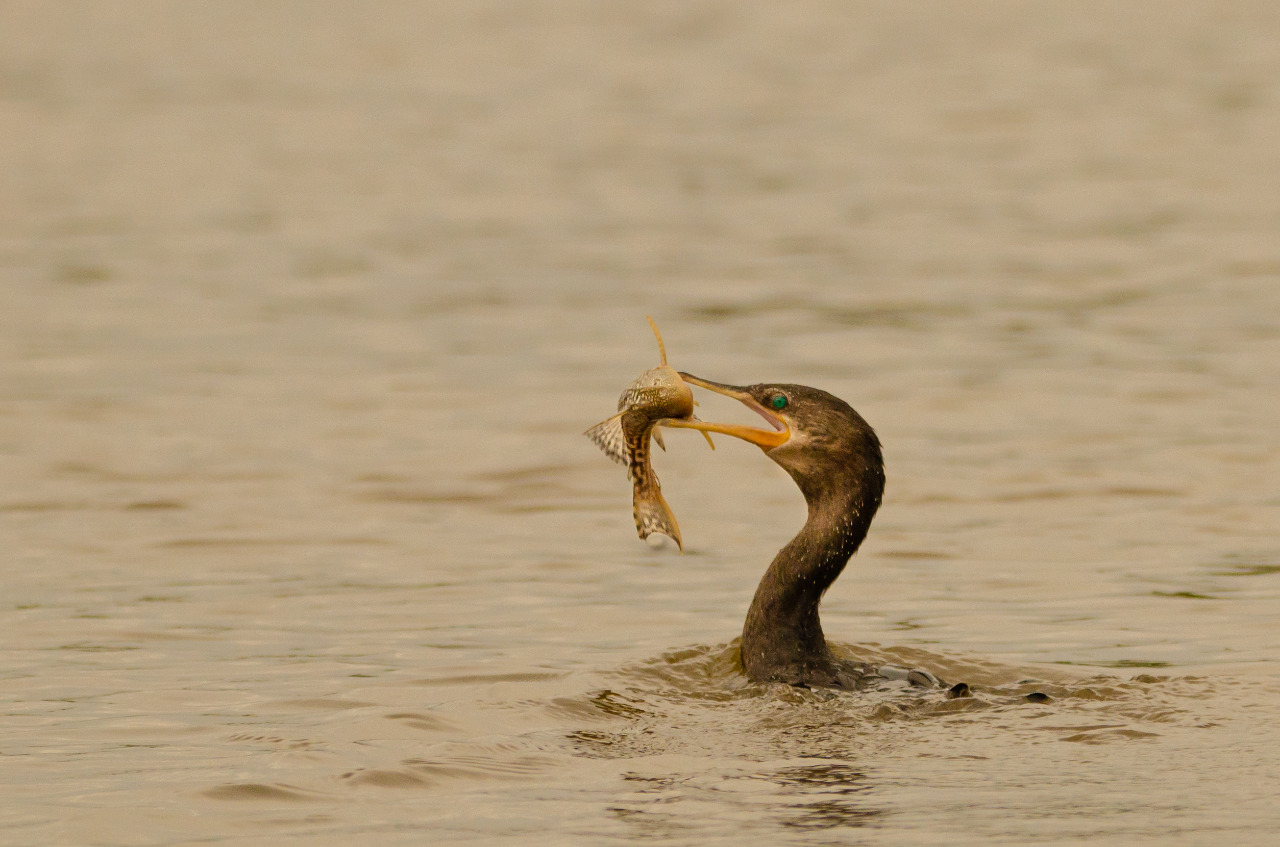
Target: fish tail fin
{"x":609,"y":437}
{"x":651,"y":511}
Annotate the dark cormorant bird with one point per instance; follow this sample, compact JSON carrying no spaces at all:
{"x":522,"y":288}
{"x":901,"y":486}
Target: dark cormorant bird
{"x":834,"y":457}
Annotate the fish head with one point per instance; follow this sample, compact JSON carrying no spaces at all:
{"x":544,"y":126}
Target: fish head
{"x":660,"y":392}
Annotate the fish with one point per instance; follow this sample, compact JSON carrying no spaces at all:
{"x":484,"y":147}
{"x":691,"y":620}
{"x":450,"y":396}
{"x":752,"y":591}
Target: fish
{"x":657,"y":395}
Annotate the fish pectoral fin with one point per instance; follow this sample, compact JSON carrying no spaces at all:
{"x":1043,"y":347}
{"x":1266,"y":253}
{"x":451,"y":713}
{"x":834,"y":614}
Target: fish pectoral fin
{"x":609,"y":437}
{"x":679,"y":422}
{"x":705,"y":434}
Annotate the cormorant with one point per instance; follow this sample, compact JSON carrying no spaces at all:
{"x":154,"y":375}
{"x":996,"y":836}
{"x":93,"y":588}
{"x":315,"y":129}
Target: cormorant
{"x":834,"y":457}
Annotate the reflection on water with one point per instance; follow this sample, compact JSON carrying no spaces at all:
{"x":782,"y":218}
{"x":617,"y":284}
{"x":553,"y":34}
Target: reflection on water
{"x":840,"y":782}
{"x":303,"y":309}
{"x":809,"y":797}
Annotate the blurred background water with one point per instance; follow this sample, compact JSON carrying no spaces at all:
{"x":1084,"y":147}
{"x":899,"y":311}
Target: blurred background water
{"x":304,"y":306}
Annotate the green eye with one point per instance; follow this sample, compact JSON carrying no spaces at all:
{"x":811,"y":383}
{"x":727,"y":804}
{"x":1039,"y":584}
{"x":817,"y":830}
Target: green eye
{"x":779,"y":401}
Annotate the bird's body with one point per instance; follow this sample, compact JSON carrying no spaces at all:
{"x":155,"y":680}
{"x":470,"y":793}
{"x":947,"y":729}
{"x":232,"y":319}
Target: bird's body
{"x":834,"y":457}
{"x":782,"y":639}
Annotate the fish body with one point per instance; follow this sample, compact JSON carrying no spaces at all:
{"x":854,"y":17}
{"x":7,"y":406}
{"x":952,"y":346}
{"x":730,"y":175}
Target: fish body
{"x":657,"y":395}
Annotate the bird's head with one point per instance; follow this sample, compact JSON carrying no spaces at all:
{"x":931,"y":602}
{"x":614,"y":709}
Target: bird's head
{"x":815,"y":436}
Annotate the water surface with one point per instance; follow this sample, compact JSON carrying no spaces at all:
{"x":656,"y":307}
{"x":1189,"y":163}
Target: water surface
{"x":305,"y":307}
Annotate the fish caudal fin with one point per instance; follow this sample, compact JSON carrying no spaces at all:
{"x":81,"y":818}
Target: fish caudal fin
{"x":609,"y":437}
{"x":652,"y":512}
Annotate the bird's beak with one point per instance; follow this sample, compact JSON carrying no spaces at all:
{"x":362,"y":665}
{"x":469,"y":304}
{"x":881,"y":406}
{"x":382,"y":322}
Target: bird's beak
{"x":765,"y":439}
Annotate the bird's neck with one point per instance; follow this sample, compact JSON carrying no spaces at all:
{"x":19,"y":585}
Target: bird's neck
{"x":782,"y":630}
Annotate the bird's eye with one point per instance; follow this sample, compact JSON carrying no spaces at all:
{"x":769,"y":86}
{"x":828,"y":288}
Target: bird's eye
{"x":779,"y":402}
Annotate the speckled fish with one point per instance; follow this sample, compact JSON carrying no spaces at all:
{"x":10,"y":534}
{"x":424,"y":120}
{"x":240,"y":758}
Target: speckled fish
{"x":657,"y":395}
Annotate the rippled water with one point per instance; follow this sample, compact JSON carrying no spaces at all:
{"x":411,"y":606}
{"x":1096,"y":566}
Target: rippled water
{"x":305,"y":306}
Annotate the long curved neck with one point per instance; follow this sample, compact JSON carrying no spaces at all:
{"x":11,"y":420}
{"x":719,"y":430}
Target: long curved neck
{"x":783,"y":637}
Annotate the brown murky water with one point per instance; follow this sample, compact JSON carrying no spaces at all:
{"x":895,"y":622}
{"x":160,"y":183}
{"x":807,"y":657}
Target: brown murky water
{"x":304,"y":306}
